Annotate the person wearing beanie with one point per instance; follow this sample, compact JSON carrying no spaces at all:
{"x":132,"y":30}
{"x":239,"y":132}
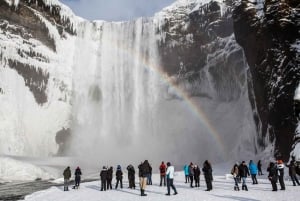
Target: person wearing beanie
{"x":170,"y":178}
{"x":103,"y":178}
{"x":119,"y":176}
{"x":77,"y":178}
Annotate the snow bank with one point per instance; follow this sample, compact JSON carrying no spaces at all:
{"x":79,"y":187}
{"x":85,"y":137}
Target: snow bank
{"x":14,"y":170}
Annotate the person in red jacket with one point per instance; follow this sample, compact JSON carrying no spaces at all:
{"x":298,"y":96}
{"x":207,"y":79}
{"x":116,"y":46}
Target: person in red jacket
{"x":162,"y":170}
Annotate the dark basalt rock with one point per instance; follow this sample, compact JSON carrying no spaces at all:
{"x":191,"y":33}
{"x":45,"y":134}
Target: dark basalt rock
{"x":62,"y":138}
{"x":274,"y":66}
{"x":205,"y":25}
{"x":35,"y":78}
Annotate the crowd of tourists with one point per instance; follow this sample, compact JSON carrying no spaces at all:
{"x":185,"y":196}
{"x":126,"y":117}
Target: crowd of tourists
{"x":192,"y":173}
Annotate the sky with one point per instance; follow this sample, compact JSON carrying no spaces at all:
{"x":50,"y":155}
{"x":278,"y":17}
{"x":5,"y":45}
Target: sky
{"x":116,"y":10}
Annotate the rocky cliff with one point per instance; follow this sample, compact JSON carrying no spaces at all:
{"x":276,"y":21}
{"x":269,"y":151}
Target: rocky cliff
{"x":269,"y":33}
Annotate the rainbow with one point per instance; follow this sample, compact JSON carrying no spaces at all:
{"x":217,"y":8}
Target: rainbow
{"x":193,"y":106}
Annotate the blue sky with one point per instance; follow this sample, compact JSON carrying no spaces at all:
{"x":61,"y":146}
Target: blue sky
{"x":115,"y":10}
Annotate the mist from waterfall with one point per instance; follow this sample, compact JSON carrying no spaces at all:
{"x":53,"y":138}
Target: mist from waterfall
{"x":125,"y":111}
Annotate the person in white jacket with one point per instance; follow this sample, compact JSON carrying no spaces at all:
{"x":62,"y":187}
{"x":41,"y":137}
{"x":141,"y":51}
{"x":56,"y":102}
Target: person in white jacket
{"x":170,"y":178}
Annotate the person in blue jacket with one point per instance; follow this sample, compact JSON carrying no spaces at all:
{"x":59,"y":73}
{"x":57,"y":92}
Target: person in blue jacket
{"x":186,"y":173}
{"x":253,"y":171}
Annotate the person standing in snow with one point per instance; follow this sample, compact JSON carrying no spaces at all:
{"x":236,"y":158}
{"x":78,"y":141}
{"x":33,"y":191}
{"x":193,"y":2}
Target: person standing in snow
{"x":197,"y":173}
{"x":272,"y":175}
{"x":191,"y":174}
{"x":144,"y":170}
{"x":235,"y":174}
{"x":259,"y":168}
{"x":253,"y":171}
{"x":280,"y":168}
{"x":244,"y":172}
{"x":170,"y":178}
{"x":162,"y":170}
{"x":149,"y":176}
{"x":103,"y":178}
{"x":77,"y":177}
{"x":292,"y":171}
{"x":67,"y":175}
{"x":131,"y":176}
{"x":207,"y":171}
{"x":109,"y":177}
{"x":186,"y":173}
{"x":119,"y":176}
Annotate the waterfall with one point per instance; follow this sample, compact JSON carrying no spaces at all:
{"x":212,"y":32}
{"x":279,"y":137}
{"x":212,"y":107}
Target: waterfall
{"x":116,"y":87}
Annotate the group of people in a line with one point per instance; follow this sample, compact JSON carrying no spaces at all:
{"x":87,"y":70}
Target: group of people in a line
{"x":276,"y":172}
{"x":192,"y":174}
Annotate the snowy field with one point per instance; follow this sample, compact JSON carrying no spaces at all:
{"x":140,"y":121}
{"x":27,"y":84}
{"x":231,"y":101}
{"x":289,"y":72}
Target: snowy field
{"x":222,"y":190}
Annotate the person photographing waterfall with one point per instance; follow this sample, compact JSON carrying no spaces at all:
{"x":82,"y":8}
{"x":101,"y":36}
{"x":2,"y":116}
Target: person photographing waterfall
{"x":170,"y":178}
{"x":67,"y":176}
{"x":144,"y":170}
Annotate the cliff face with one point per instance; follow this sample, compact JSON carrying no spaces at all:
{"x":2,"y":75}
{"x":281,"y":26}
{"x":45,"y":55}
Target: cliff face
{"x":25,"y":20}
{"x":268,"y":31}
{"x":199,"y":38}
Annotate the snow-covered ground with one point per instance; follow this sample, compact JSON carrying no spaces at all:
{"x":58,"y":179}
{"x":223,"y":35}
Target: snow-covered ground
{"x":222,"y":190}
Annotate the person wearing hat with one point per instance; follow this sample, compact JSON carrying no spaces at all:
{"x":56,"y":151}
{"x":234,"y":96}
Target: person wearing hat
{"x":170,"y":178}
{"x":280,"y":168}
{"x":103,"y":178}
{"x":119,"y":176}
{"x":77,"y":177}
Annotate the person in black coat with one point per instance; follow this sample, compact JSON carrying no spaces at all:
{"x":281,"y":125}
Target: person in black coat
{"x":144,"y":170}
{"x":131,"y":176}
{"x":103,"y":178}
{"x":207,"y":171}
{"x":244,"y":172}
{"x":109,"y":178}
{"x":197,"y":173}
{"x":77,"y":177}
{"x":119,"y":177}
{"x":272,"y":169}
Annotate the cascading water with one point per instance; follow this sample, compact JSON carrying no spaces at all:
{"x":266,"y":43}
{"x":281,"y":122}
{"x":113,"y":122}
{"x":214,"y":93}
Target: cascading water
{"x":116,"y":84}
{"x":126,"y":110}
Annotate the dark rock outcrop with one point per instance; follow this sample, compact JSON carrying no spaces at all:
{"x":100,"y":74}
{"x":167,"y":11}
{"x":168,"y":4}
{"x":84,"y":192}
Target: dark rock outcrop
{"x":267,"y":36}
